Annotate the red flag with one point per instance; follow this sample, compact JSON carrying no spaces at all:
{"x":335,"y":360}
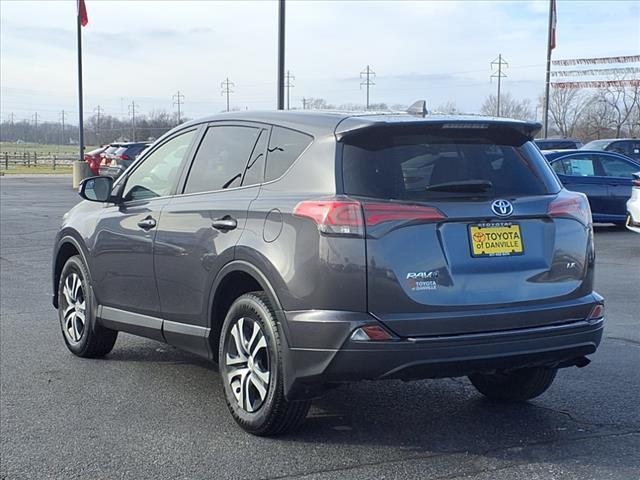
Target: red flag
{"x":553,"y":21}
{"x":82,"y":13}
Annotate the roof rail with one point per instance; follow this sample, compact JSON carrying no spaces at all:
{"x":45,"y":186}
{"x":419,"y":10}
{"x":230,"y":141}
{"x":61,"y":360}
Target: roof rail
{"x":418,"y":108}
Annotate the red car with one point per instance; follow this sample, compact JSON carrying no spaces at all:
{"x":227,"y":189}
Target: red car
{"x":93,"y":158}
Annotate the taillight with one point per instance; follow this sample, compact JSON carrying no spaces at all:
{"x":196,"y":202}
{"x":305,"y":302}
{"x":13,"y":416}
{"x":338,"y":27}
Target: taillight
{"x":344,"y":216}
{"x":636,"y":182}
{"x":383,"y":212}
{"x":339,"y":215}
{"x":571,"y":205}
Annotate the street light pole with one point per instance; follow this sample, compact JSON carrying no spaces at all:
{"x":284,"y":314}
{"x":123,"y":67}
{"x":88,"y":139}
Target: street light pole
{"x":281,"y":54}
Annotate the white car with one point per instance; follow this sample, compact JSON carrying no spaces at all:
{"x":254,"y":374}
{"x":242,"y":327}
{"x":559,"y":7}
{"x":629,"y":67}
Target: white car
{"x":633,"y":205}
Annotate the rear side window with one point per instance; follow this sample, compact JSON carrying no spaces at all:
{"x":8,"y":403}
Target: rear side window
{"x":615,"y":167}
{"x":432,"y":165}
{"x":285,"y":146}
{"x":221,"y":158}
{"x":255,"y":167}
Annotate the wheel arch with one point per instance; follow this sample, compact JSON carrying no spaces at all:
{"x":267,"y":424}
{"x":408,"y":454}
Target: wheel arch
{"x":67,"y":247}
{"x":234,"y":279}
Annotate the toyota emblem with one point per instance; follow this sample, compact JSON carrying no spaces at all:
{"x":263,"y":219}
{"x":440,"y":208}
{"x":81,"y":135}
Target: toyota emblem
{"x":502,"y":208}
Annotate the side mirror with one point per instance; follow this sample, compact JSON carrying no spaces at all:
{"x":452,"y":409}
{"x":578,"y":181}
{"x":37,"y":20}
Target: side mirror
{"x":96,"y":189}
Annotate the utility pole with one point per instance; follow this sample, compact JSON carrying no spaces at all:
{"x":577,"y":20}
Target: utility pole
{"x":289,"y":84}
{"x":304,"y":103}
{"x":281,"y":31}
{"x":226,"y":89}
{"x":35,"y":117}
{"x":62,"y":119}
{"x":366,"y":76}
{"x":132,"y":112}
{"x":178,"y":100}
{"x":11,"y":121}
{"x":500,"y":62}
{"x":99,"y":110}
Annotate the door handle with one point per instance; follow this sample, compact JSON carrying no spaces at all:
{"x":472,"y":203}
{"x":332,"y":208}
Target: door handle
{"x":225,"y":223}
{"x":147,"y":224}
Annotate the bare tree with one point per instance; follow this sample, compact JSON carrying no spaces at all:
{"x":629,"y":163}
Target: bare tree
{"x":624,"y":102}
{"x":566,"y":108}
{"x":509,"y":107}
{"x":449,"y":107}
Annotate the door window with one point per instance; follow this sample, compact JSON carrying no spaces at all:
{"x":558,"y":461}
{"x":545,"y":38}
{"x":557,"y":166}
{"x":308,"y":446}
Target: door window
{"x":285,"y":146}
{"x":156,"y":175}
{"x":221,"y":158}
{"x":616,"y":167}
{"x":577,"y":166}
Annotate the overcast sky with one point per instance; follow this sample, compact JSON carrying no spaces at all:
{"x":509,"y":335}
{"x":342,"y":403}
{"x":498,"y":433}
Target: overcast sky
{"x":434,"y":50}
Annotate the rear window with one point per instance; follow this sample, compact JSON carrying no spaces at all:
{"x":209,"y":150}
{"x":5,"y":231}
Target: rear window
{"x":431,"y":165}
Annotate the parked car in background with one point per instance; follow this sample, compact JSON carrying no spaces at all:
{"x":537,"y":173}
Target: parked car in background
{"x":94,"y":157}
{"x":606,"y":178}
{"x":558,"y":143}
{"x":300,"y":250}
{"x":633,"y":205}
{"x":106,"y":157}
{"x":626,"y":146}
{"x":120,"y":159}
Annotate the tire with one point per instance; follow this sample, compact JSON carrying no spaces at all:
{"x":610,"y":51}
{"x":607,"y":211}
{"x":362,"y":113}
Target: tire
{"x":76,"y":301}
{"x":250,"y":346}
{"x":517,"y":386}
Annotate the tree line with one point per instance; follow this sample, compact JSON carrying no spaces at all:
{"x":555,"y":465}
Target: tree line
{"x":588,"y":114}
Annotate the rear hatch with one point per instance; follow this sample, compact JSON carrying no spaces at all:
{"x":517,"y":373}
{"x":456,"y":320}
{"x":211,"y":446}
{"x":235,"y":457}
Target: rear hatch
{"x":466,"y":226}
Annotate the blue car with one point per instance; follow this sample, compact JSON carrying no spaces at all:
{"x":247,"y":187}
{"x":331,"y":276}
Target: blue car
{"x":606,"y":178}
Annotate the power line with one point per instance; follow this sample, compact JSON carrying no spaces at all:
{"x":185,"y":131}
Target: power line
{"x":289,"y":85}
{"x":226,"y":89}
{"x":132,"y":112}
{"x":499,"y":74}
{"x":178,"y":100}
{"x":367,"y":74}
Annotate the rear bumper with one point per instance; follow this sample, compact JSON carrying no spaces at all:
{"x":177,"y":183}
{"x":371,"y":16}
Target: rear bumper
{"x":310,"y":368}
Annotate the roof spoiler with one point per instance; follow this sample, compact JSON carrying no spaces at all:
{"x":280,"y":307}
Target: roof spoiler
{"x":418,"y":108}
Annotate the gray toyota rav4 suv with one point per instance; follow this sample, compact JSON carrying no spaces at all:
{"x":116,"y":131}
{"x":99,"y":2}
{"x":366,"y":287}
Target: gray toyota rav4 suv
{"x":299,"y":250}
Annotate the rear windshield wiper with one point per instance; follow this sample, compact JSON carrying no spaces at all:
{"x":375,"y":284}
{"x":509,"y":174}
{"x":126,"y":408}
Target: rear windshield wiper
{"x":470,"y":186}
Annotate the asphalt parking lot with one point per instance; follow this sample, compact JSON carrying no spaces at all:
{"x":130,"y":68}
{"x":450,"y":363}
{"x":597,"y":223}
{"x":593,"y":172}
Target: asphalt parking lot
{"x":150,"y":411}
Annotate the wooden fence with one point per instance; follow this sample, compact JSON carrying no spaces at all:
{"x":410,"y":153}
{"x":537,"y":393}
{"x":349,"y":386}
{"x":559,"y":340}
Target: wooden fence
{"x":33,"y":159}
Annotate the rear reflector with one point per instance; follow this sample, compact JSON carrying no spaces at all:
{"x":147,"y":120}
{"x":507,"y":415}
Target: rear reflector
{"x":370,"y":333}
{"x":597,"y":312}
{"x":571,"y":205}
{"x":344,"y":216}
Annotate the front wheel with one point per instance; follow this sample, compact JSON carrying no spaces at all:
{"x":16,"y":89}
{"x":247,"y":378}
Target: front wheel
{"x":516,"y":386}
{"x":250,"y":359}
{"x":76,"y":310}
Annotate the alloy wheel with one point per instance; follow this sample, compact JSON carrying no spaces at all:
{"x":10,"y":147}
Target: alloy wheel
{"x":73,"y":308}
{"x":247,"y":364}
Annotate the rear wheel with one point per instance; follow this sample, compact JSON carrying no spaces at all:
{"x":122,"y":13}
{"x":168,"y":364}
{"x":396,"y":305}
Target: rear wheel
{"x":76,"y":311}
{"x":517,"y":386}
{"x":250,"y":359}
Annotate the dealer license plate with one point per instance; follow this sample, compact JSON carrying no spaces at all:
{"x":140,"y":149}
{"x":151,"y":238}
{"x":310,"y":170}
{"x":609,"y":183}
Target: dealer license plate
{"x":495,"y":239}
